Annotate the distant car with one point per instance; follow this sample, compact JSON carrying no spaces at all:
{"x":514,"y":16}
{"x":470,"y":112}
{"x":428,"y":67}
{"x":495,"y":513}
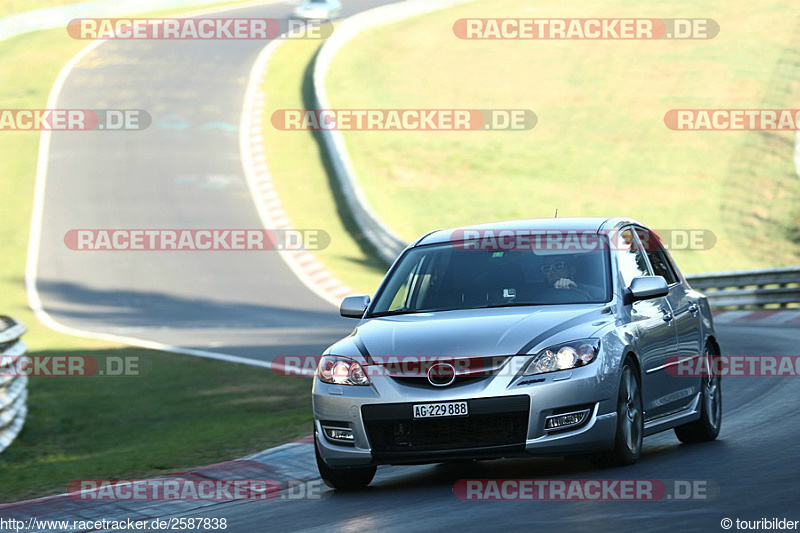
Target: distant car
{"x":480,"y":352}
{"x":318,"y":9}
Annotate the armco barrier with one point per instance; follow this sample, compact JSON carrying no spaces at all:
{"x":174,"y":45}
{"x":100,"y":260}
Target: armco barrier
{"x":750,"y":288}
{"x":384,"y":240}
{"x":13,"y":388}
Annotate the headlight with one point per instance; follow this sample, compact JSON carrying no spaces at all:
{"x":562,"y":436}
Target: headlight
{"x":563,"y":356}
{"x":341,"y":371}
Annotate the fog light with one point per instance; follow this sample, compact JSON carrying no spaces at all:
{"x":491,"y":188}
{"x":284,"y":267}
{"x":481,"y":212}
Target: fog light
{"x":566,"y":420}
{"x":339,"y":434}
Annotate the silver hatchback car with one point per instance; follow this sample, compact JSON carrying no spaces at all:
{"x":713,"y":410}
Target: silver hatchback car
{"x":546,"y":337}
{"x":318,"y":9}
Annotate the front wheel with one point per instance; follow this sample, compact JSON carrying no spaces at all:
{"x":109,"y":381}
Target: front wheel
{"x":707,"y":428}
{"x":630,"y":421}
{"x":343,"y":478}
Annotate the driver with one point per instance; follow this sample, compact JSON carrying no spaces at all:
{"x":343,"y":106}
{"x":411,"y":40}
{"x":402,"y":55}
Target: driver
{"x":559,"y":271}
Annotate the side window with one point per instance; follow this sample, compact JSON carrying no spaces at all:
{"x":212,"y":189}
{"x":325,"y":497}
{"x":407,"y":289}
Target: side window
{"x":402,"y":285}
{"x":401,"y":296}
{"x":657,"y":256}
{"x":630,"y":257}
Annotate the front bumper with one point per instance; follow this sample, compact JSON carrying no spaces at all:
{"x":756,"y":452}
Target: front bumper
{"x":504,"y":420}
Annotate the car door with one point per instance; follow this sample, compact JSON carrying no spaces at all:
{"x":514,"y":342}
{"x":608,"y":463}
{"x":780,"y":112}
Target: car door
{"x":651,"y":324}
{"x":675,"y":392}
{"x":685,"y":308}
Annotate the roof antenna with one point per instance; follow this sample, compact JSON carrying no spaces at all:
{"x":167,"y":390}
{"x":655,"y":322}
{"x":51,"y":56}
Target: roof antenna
{"x":556,"y":215}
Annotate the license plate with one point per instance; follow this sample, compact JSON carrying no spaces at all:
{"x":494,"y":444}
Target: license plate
{"x":434,"y":410}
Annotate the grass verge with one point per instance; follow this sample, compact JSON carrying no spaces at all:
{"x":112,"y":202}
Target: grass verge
{"x":300,"y":170}
{"x":182,"y":412}
{"x":601,"y":146}
{"x":9,"y":7}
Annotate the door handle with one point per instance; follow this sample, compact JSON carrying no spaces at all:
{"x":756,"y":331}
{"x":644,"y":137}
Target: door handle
{"x":667,"y":316}
{"x":694,"y":309}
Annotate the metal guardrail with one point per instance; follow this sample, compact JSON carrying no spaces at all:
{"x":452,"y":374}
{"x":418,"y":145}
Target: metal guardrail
{"x":13,"y":388}
{"x":751,"y":288}
{"x":387,"y":244}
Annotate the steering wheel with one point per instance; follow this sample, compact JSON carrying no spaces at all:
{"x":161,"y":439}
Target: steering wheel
{"x":558,"y":295}
{"x":580,"y":291}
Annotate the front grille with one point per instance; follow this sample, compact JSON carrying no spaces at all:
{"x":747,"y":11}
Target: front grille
{"x":492,"y":422}
{"x":468,"y":370}
{"x":423,"y":383}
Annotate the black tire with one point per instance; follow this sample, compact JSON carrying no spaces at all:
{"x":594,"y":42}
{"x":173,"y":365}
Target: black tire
{"x":707,"y":427}
{"x":630,"y":421}
{"x":343,"y":478}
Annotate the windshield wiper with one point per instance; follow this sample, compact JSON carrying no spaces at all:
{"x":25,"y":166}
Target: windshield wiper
{"x":398,"y":311}
{"x":407,"y":311}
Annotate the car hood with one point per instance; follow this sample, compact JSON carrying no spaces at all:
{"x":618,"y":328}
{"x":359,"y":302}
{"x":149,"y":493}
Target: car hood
{"x":476,"y":332}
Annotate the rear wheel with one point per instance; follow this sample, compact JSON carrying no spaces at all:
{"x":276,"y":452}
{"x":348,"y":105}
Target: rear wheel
{"x":343,"y":478}
{"x":707,"y":428}
{"x":630,"y":421}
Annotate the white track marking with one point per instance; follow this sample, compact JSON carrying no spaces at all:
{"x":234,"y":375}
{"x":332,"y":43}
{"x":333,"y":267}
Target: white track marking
{"x":262,"y":189}
{"x":34,"y":241}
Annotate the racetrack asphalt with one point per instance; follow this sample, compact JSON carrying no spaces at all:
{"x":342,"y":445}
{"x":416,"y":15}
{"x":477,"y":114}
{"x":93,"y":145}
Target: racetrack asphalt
{"x":755,"y":463}
{"x":183,"y":172}
{"x":750,"y":471}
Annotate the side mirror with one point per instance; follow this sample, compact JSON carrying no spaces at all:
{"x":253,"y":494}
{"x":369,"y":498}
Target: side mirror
{"x":647,"y":288}
{"x":354,"y":306}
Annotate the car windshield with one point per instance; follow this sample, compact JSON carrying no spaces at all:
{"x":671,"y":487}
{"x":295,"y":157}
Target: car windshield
{"x":447,"y":277}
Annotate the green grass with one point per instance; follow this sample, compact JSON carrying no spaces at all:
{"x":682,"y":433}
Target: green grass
{"x":182,"y":412}
{"x":28,"y":66}
{"x":8,"y":7}
{"x":186,"y":412}
{"x":302,"y":178}
{"x":601,"y":146}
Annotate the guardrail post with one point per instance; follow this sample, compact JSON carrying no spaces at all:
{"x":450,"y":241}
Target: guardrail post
{"x":13,"y":387}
